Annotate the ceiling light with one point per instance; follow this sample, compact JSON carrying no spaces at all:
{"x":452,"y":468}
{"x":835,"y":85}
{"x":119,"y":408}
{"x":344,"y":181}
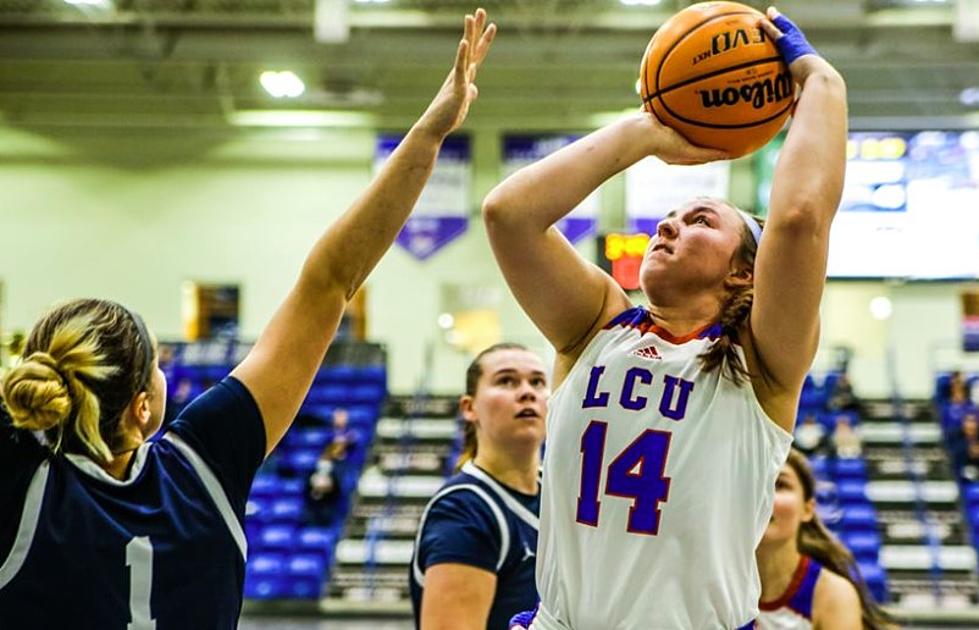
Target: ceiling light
{"x":300,"y":118}
{"x":283,"y":84}
{"x":969,"y":97}
{"x":881,"y":308}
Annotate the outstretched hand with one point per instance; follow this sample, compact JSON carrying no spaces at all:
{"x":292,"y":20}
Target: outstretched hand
{"x":448,"y":109}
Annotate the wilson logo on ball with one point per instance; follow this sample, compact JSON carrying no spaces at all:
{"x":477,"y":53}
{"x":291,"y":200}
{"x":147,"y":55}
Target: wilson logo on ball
{"x":758,"y":93}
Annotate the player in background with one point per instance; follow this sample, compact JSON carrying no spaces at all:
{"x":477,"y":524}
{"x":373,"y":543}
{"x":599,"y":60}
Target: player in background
{"x":475,"y":552}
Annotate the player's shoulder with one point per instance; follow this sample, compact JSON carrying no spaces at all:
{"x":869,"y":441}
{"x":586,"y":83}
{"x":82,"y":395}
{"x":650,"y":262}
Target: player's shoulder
{"x":833,"y":596}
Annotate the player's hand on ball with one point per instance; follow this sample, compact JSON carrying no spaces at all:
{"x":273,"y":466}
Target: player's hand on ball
{"x":673,"y":148}
{"x":448,"y":109}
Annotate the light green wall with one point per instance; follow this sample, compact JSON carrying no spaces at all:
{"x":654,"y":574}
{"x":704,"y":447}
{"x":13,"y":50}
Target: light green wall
{"x":131,"y":214}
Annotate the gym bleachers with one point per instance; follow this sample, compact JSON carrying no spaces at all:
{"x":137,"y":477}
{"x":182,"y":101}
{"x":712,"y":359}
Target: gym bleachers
{"x":290,"y":547}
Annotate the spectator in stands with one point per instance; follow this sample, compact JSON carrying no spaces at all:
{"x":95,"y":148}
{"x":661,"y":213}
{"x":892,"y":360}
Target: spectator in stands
{"x":808,"y":579}
{"x":345,"y":439}
{"x":323,"y":485}
{"x":958,"y":393}
{"x":842,"y":397}
{"x":965,"y":448}
{"x":846,"y":440}
{"x":151,"y":534}
{"x":323,"y":490}
{"x":475,"y":553}
{"x":810,"y":436}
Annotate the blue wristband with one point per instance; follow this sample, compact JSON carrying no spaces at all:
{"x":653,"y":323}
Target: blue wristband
{"x":793,"y":43}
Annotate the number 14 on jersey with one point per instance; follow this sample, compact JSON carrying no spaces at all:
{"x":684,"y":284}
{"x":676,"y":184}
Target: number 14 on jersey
{"x":637,"y":473}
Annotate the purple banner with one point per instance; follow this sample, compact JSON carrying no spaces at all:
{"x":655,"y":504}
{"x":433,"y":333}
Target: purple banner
{"x":442,"y":212}
{"x":519,"y":151}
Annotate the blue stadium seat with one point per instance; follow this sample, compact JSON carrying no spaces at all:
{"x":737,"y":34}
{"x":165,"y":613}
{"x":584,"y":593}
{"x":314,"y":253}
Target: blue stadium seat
{"x":369,"y":394}
{"x":876,"y":580}
{"x":371,"y":374}
{"x":315,"y":437}
{"x":865,"y":546}
{"x":276,"y":538}
{"x":266,"y":485}
{"x":287,"y":510}
{"x":305,"y":573}
{"x":860,"y":517}
{"x":292,"y":487}
{"x":265,"y":576}
{"x":820,"y":466}
{"x":852,"y":491}
{"x":301,"y":461}
{"x":971,"y":492}
{"x":258,"y":510}
{"x":362,"y":415}
{"x":316,"y":540}
{"x":850,"y":469}
{"x":337,"y":374}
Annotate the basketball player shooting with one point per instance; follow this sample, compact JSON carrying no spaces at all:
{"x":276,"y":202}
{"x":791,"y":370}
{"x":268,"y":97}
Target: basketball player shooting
{"x":670,"y":421}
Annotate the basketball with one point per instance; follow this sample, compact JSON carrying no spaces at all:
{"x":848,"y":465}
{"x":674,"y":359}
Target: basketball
{"x":712,"y":74}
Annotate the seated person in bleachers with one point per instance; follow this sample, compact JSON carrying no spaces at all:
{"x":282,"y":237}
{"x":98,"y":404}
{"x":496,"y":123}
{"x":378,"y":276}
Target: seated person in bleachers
{"x":958,"y":393}
{"x":842,"y":397}
{"x":808,"y":578}
{"x":965,"y":447}
{"x":846,"y":440}
{"x":323,"y":485}
{"x":345,"y":439}
{"x":810,"y":436}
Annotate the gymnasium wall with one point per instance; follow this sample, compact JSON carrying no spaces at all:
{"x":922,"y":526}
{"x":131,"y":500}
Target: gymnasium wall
{"x":131,"y":213}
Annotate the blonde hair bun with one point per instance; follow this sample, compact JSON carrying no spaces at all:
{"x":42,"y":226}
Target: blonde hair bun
{"x":37,"y":394}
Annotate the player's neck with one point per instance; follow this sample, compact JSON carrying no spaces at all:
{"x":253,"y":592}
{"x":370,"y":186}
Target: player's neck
{"x":776,"y":566}
{"x":692,"y":315}
{"x":119,"y":468}
{"x":516,"y":470}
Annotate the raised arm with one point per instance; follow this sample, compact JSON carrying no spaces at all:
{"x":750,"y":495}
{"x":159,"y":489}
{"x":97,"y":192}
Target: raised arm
{"x":567,"y":297}
{"x":280,"y":368}
{"x":790,"y":267}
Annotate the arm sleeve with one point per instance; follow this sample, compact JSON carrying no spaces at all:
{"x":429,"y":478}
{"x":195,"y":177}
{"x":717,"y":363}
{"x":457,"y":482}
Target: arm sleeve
{"x":224,"y":426}
{"x":460,"y":528}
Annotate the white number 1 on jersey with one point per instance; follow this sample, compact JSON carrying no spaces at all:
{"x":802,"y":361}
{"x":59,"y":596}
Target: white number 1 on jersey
{"x":139,"y":559}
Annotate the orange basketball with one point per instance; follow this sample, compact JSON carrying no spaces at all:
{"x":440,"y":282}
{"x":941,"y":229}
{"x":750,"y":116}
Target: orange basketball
{"x":713,"y":75}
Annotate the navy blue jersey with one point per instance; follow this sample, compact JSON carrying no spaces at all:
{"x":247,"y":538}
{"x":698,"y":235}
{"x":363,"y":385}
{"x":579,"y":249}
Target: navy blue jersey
{"x":163,"y":549}
{"x":477,"y":521}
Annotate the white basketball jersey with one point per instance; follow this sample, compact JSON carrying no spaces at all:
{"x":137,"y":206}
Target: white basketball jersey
{"x":658,"y":485}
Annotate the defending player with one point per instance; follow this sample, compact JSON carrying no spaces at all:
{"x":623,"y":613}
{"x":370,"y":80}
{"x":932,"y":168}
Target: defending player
{"x":100,"y":528}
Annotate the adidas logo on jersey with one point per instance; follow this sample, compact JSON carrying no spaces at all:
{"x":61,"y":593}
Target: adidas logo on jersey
{"x":649,"y":352}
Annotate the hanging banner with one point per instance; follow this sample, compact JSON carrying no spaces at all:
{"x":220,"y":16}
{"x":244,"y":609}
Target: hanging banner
{"x":653,"y":188}
{"x":441,"y":214}
{"x":970,"y":321}
{"x":519,"y":151}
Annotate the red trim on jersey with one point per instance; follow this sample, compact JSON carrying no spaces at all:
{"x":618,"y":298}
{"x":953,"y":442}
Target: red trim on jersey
{"x":665,"y":335}
{"x":797,"y":577}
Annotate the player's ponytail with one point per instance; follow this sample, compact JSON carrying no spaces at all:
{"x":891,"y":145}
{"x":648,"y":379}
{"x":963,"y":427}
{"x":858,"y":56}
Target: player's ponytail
{"x":817,"y":542}
{"x":470,"y":443}
{"x":723,"y":354}
{"x":84,"y":362}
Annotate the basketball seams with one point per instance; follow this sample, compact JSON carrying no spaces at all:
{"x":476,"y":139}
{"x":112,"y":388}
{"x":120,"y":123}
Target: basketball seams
{"x":687,"y":34}
{"x":706,"y":125}
{"x":711,"y":75}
